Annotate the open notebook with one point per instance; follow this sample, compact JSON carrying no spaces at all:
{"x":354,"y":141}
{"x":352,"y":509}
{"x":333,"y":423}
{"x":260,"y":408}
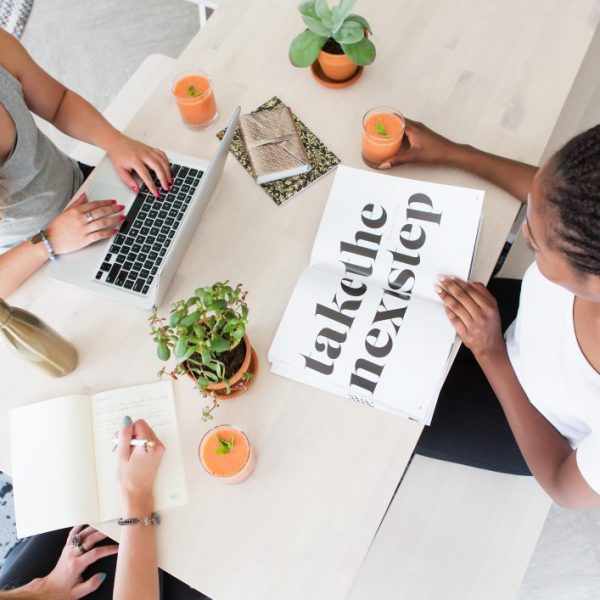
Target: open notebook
{"x":64,"y":469}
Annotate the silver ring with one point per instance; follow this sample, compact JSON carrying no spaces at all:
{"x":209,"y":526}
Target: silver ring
{"x":75,"y":540}
{"x":89,"y":217}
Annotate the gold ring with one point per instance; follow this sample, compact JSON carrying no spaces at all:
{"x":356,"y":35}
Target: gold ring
{"x":81,"y":548}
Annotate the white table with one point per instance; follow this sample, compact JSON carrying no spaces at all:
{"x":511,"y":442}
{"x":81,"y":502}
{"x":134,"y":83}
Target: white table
{"x":492,"y":74}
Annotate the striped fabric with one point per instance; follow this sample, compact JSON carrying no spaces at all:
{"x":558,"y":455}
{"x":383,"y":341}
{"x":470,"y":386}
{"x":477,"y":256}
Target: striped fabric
{"x":14,"y":15}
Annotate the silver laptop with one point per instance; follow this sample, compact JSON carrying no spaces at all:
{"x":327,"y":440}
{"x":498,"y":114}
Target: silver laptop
{"x":137,"y":265}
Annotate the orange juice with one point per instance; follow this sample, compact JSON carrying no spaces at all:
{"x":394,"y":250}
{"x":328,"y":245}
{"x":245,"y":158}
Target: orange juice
{"x":196,"y":99}
{"x":225,"y":453}
{"x":383,"y":130}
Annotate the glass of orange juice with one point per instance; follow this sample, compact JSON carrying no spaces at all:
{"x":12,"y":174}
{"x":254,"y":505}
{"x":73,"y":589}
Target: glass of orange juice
{"x":383,"y":130}
{"x":195,"y":98}
{"x":226,"y":454}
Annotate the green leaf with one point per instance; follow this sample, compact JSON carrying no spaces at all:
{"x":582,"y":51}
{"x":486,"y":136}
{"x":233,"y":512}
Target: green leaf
{"x":180,"y":348}
{"x":361,"y":53}
{"x":323,"y":12}
{"x":305,"y":48}
{"x":206,"y":357}
{"x":361,"y":21}
{"x":192,"y":91}
{"x":162,"y":351}
{"x":188,"y":354}
{"x":308,"y":9}
{"x":345,"y":7}
{"x":381,"y":130}
{"x":316,"y":26}
{"x":190,"y":319}
{"x":219,"y":344}
{"x":199,"y":331}
{"x":349,"y":33}
{"x":175,"y":318}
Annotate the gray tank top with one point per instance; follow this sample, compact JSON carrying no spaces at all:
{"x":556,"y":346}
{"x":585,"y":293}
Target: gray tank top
{"x":37,"y":178}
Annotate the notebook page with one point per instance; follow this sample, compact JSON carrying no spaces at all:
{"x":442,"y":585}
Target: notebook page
{"x":53,"y":465}
{"x":155,"y":404}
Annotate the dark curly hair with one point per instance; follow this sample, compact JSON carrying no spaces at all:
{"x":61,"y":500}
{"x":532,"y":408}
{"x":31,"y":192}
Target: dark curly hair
{"x":573,"y":190}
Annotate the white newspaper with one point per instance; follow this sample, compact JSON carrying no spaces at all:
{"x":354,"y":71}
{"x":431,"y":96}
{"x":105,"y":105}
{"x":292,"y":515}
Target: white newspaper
{"x":364,"y":321}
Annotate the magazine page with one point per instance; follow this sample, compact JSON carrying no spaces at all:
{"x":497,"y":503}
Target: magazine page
{"x":397,"y":233}
{"x":381,"y":348}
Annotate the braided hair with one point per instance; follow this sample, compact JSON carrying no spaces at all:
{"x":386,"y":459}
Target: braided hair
{"x":573,"y":190}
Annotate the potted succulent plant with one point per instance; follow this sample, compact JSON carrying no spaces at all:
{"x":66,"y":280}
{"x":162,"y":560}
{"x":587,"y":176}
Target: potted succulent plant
{"x":335,"y":37}
{"x":206,"y":335}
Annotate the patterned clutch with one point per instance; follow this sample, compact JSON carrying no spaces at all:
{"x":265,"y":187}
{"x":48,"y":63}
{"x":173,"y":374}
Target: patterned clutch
{"x":321,"y":159}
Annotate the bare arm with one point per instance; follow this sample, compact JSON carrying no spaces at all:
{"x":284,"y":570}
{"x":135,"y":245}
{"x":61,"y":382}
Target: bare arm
{"x":548,"y":454}
{"x":75,"y":116}
{"x":68,"y":232}
{"x":137,"y":569}
{"x":473,"y":312}
{"x":426,"y":146}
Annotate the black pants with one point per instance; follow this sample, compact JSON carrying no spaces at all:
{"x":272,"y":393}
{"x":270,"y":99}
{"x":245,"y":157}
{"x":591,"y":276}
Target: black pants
{"x":469,"y":426}
{"x":36,"y":556}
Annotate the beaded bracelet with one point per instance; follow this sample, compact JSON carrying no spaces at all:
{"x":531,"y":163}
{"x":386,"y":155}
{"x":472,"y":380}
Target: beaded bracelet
{"x":153,"y":519}
{"x":47,"y":244}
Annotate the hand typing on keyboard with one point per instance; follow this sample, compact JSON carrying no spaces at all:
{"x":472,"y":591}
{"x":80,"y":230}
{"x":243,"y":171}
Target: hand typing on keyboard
{"x":129,"y":156}
{"x":83,"y":223}
{"x":138,"y":250}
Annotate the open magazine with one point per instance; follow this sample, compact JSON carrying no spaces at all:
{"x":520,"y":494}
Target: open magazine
{"x":364,"y":321}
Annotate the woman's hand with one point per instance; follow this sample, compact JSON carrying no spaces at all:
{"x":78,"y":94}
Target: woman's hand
{"x":137,"y":465}
{"x":473,"y":312}
{"x":128,"y":156}
{"x":83,"y":223}
{"x":424,"y":146}
{"x":65,"y":580}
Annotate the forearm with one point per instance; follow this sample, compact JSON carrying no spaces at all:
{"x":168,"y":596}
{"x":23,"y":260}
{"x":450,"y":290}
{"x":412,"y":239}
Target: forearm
{"x":544,"y":449}
{"x":18,"y":264}
{"x":77,"y":118}
{"x":510,"y":175}
{"x":137,"y":569}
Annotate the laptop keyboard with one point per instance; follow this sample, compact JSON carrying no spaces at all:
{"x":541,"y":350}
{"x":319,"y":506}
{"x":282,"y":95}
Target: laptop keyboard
{"x":137,"y":251}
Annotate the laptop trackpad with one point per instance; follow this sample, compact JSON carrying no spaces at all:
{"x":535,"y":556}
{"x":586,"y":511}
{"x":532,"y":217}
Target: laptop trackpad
{"x":102,"y":191}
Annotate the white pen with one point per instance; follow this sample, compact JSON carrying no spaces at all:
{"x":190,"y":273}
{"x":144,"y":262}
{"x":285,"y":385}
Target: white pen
{"x":134,"y":442}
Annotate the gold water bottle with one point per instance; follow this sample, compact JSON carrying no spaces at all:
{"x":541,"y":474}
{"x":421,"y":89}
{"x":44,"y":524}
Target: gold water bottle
{"x":30,"y":338}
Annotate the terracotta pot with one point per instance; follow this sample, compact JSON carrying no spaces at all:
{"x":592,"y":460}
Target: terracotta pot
{"x":236,"y":377}
{"x":336,"y":66}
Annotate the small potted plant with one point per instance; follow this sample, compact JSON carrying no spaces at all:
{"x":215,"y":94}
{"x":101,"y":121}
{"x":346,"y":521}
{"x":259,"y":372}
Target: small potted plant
{"x":335,"y":37}
{"x":206,"y":335}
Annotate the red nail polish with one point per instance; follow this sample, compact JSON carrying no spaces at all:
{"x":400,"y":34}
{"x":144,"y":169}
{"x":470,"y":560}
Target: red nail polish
{"x":121,"y":217}
{"x":171,"y":180}
{"x":135,"y":188}
{"x":113,"y":201}
{"x":167,"y":188}
{"x":115,"y":230}
{"x":157,"y":194}
{"x":120,"y":206}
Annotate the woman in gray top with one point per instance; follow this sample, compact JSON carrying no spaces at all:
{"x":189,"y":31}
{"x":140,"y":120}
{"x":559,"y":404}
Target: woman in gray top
{"x":37,"y":180}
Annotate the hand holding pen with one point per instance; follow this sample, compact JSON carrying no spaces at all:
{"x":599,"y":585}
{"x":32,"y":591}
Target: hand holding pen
{"x":137,"y":469}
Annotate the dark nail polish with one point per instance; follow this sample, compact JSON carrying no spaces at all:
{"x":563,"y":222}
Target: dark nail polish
{"x":102,"y":577}
{"x":127,"y":421}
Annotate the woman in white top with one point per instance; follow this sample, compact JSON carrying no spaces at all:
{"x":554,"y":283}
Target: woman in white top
{"x":546,"y":373}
